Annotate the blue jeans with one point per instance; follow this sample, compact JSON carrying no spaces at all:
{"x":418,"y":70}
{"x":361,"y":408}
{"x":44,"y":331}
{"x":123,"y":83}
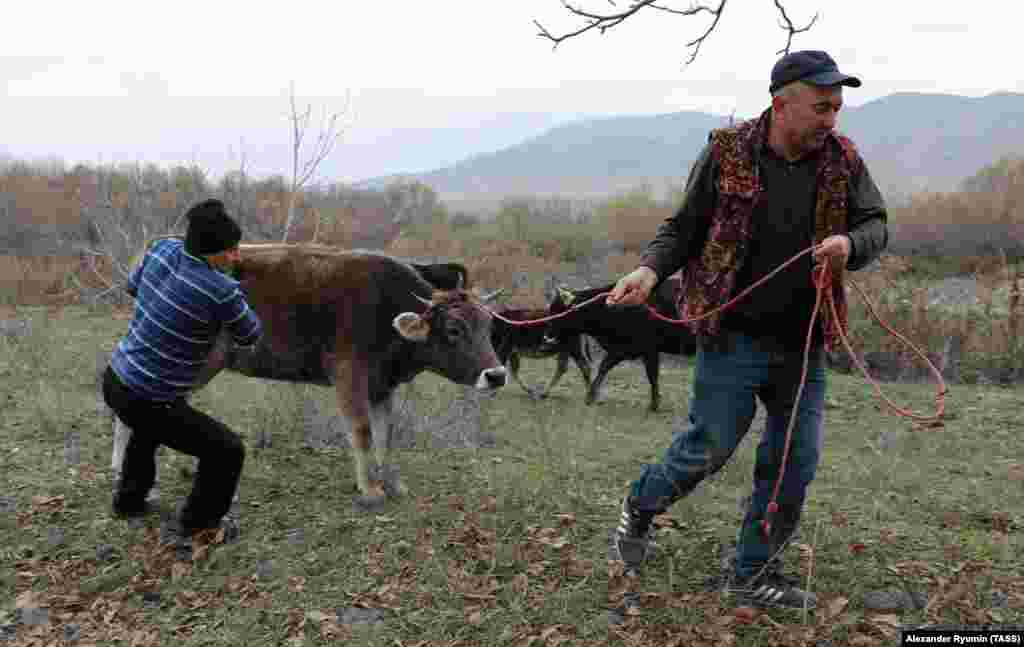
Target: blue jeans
{"x":722,"y":408}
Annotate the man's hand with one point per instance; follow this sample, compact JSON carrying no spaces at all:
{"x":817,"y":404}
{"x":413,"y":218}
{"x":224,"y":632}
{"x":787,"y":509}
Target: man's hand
{"x":633,"y":288}
{"x":834,"y":247}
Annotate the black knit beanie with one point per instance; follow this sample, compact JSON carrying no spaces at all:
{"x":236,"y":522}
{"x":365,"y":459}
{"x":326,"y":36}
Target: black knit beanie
{"x":210,"y":229}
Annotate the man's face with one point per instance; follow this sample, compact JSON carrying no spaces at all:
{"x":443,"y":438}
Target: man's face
{"x":808,"y":114}
{"x":226,"y":261}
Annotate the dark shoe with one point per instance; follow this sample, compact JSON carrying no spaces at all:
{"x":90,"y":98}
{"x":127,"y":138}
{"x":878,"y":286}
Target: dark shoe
{"x":228,"y":523}
{"x":771,"y":590}
{"x":634,"y":538}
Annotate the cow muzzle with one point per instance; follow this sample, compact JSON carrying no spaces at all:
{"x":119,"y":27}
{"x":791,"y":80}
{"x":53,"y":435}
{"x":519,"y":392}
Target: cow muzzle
{"x":492,"y":378}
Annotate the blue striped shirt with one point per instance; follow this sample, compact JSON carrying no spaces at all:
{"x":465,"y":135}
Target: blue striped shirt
{"x":181,"y":304}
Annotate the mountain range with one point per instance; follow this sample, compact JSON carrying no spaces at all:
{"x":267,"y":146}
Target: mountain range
{"x":912,"y":142}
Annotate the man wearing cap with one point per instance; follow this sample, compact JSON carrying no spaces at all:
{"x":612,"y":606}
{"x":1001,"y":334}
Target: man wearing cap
{"x":183,"y":297}
{"x":759,"y":193}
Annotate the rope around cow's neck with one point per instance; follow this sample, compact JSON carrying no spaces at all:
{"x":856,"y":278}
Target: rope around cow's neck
{"x":822,"y":280}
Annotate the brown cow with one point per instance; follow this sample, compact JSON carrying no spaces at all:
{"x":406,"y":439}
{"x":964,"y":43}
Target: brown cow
{"x":363,"y":323}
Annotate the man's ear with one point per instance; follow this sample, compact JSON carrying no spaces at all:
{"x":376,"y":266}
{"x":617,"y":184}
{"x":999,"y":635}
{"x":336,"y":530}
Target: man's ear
{"x":411,"y":326}
{"x":778,"y":103}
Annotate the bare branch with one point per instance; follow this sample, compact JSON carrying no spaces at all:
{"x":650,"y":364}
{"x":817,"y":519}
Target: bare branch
{"x":697,"y":42}
{"x":605,"y":21}
{"x":787,"y":25}
{"x":305,"y":166}
{"x":685,"y":12}
{"x":601,"y":22}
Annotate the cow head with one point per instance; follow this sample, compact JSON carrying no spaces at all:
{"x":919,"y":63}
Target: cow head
{"x":453,"y":338}
{"x":553,"y":331}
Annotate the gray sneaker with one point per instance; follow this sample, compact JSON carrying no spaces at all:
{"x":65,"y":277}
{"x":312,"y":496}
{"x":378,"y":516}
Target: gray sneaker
{"x":771,"y":590}
{"x":634,"y":538}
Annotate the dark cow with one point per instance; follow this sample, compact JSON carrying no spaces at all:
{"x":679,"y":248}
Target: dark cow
{"x":512,"y":342}
{"x":624,"y":332}
{"x":445,"y":276}
{"x":362,"y":323}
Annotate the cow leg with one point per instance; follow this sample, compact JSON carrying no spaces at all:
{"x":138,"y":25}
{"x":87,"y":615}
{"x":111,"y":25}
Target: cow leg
{"x":513,"y":367}
{"x":581,"y":359}
{"x":382,"y":420}
{"x":122,"y":434}
{"x":352,"y":389}
{"x":651,"y":363}
{"x":560,"y":369}
{"x":610,"y":361}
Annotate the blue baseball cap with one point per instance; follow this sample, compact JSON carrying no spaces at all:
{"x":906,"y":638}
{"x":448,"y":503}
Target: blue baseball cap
{"x":811,"y":66}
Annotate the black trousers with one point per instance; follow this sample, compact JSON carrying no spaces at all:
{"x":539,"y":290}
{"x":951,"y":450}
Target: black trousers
{"x":179,"y":426}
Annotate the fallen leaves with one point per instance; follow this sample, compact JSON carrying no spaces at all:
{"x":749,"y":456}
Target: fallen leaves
{"x":830,"y":610}
{"x":375,"y":559}
{"x":746,"y":615}
{"x":294,"y":625}
{"x":180,"y":570}
{"x":424,"y":504}
{"x":477,"y":543}
{"x":951,"y":519}
{"x":806,"y":559}
{"x":489,"y":504}
{"x":328,"y":626}
{"x":40,"y":505}
{"x":1001,"y":522}
{"x":481,"y":568}
{"x":86,"y":473}
{"x":45,"y":504}
{"x":424,"y":543}
{"x":62,"y":610}
{"x":193,"y":601}
{"x":541,"y":635}
{"x":926,"y":425}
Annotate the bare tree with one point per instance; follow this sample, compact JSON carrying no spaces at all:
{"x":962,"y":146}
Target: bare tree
{"x":306,"y":162}
{"x":234,"y":185}
{"x":126,"y":217}
{"x":602,"y":22}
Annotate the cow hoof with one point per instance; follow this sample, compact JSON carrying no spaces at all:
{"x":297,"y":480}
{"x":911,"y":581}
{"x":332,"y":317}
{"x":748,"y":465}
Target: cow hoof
{"x":369,"y":502}
{"x":394,"y":489}
{"x":391,"y":481}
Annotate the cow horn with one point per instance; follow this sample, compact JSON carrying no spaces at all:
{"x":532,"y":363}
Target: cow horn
{"x":426,"y":302}
{"x":487,"y":298}
{"x":567,"y":296}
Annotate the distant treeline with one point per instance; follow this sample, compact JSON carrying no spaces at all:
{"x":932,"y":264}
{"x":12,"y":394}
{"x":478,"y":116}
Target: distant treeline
{"x":47,"y":209}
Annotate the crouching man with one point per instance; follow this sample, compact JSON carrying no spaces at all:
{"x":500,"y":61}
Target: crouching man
{"x":183,"y":298}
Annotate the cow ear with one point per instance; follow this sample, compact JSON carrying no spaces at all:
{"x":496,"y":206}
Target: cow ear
{"x":411,"y":326}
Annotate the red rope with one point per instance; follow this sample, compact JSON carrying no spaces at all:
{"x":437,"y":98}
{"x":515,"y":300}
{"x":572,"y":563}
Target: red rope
{"x":822,"y":280}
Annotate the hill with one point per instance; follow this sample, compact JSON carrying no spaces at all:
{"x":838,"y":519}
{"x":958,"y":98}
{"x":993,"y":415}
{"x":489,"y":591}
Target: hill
{"x":912,"y":141}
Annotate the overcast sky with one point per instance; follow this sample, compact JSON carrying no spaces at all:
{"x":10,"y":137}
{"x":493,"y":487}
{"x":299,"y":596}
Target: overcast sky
{"x":431,"y":82}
